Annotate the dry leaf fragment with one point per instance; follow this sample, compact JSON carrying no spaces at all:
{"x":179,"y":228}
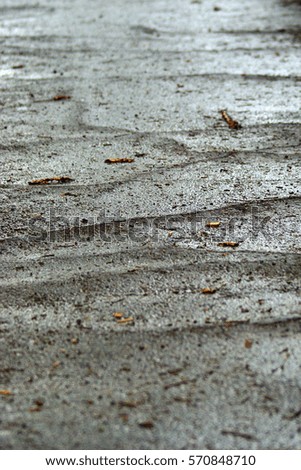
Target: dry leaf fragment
{"x":39,"y":402}
{"x":213,"y":224}
{"x":231,"y":123}
{"x":231,"y":244}
{"x":61,"y":97}
{"x":147,"y":424}
{"x":110,"y":161}
{"x":128,"y":404}
{"x":118,"y":315}
{"x":54,"y":179}
{"x":248,"y":343}
{"x":56,"y":364}
{"x":5,"y":392}
{"x":35,"y":409}
{"x":38,"y":406}
{"x":125,"y":320}
{"x":18,"y":66}
{"x":208,"y":290}
{"x":175,"y":371}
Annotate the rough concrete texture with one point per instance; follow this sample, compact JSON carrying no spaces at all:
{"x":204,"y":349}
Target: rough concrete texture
{"x":146,"y":80}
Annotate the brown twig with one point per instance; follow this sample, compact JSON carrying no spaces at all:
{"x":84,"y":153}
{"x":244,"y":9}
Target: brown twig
{"x":231,"y":123}
{"x":110,"y":161}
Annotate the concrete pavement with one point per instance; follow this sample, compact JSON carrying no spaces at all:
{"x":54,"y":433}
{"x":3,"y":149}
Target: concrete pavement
{"x":207,"y":352}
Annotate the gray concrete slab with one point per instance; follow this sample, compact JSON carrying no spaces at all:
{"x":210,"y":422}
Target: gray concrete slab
{"x":211,"y":357}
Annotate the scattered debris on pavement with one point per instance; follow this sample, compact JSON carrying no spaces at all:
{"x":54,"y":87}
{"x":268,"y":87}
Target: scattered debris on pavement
{"x":61,"y":97}
{"x":111,"y":161}
{"x":118,"y":315}
{"x":214,"y":224}
{"x":230,"y":244}
{"x":208,"y":290}
{"x":5,"y":392}
{"x":231,"y":123}
{"x":248,"y":343}
{"x":38,"y":406}
{"x":146,"y":424}
{"x":54,"y":179}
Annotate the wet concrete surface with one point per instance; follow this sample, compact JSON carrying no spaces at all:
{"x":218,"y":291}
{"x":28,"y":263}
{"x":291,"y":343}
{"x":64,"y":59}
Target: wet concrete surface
{"x":210,"y":355}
